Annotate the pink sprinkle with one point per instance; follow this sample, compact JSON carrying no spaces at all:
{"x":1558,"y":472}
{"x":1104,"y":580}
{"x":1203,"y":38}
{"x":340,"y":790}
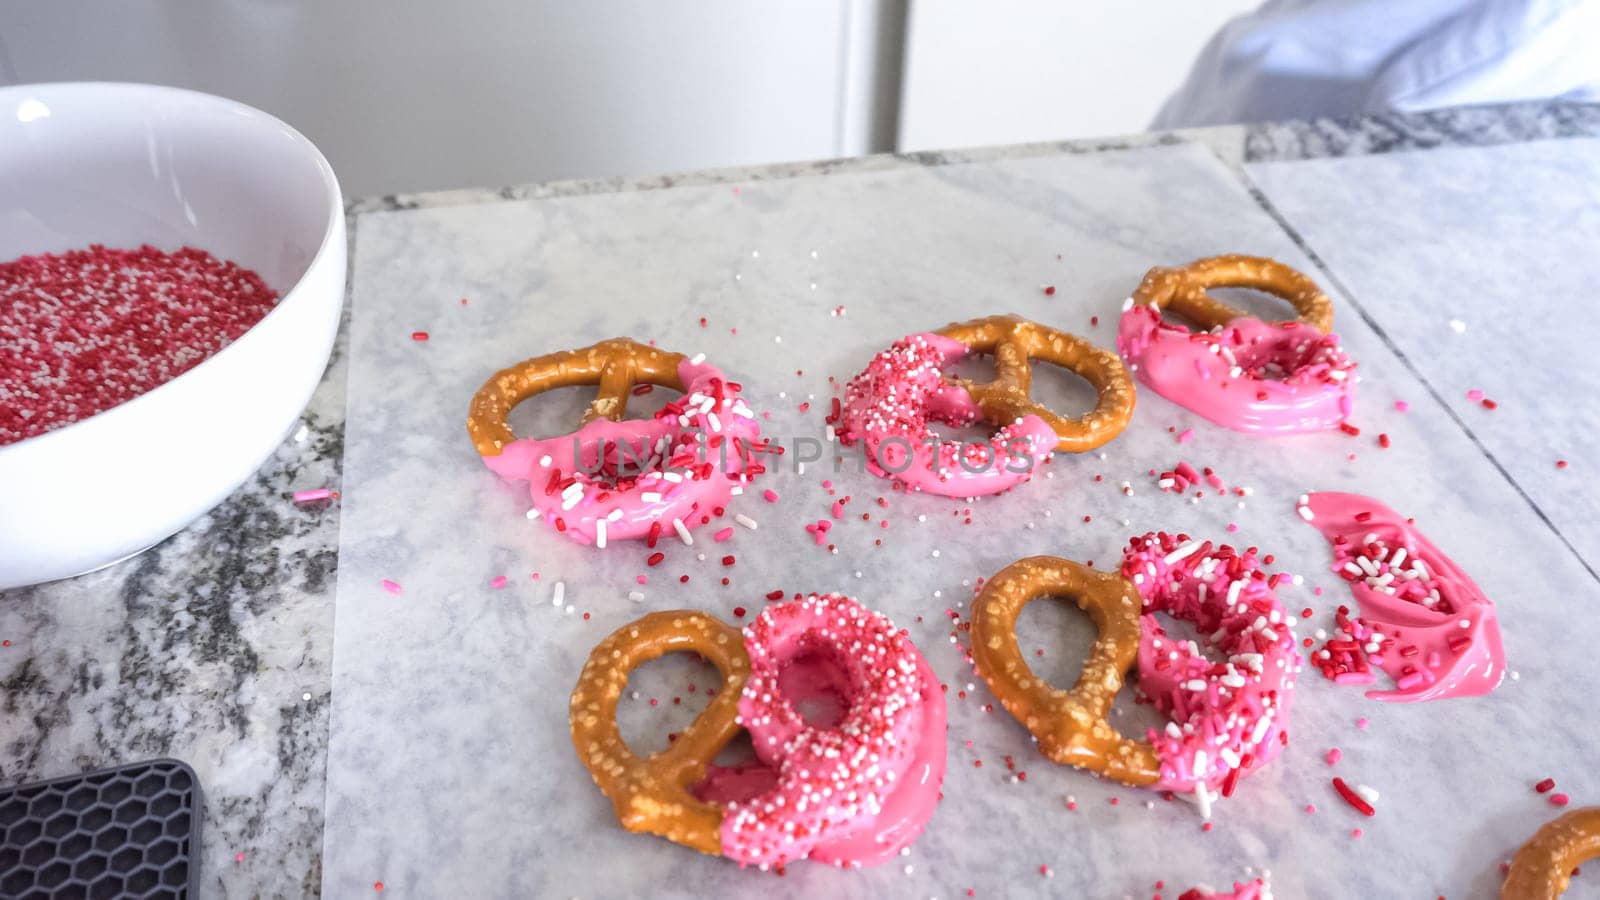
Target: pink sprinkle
{"x":642,"y":579}
{"x":1232,"y":528}
{"x":498,"y":582}
{"x":1559,"y":799}
{"x":392,"y":587}
{"x":1186,"y":436}
{"x":238,"y":857}
{"x":1355,"y":832}
{"x":826,"y":483}
{"x":536,"y":576}
{"x":838,"y":509}
{"x":1311,"y":808}
{"x":312,"y":496}
{"x":1474,"y":394}
{"x":723,"y":534}
{"x":1362,"y":723}
{"x":1401,"y":406}
{"x":770,"y":495}
{"x":1334,"y":756}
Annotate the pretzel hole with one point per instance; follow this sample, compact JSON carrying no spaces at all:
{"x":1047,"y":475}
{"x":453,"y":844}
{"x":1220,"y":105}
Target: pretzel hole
{"x":1062,"y":390}
{"x":645,"y":400}
{"x":667,"y":679}
{"x":1066,"y":635}
{"x":1260,"y":304}
{"x":735,"y":774}
{"x":1055,"y":638}
{"x":817,"y":685}
{"x":1183,"y":630}
{"x":550,"y":413}
{"x":975,"y":367}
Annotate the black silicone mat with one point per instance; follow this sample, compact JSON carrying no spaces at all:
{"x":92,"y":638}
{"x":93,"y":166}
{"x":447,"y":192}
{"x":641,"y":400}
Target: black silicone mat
{"x":127,"y":831}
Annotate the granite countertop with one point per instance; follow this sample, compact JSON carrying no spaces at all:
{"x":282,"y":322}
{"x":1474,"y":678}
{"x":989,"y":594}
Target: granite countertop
{"x":215,"y":646}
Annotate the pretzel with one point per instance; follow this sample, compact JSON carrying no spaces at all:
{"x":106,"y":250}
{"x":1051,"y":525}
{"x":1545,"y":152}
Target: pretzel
{"x":1542,"y":868}
{"x":1236,"y":370}
{"x":1014,"y":342}
{"x":1071,"y":726}
{"x":614,"y":366}
{"x":652,"y":794}
{"x":687,"y":458}
{"x":849,"y":794}
{"x":890,"y":404}
{"x":1225,"y":719}
{"x":1184,"y":290}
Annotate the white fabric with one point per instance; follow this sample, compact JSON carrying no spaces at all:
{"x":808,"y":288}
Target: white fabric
{"x":1305,"y":58}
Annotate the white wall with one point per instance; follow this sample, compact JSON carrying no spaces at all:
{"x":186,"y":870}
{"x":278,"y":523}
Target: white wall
{"x":1010,"y":71}
{"x":409,"y":95}
{"x":422,"y":94}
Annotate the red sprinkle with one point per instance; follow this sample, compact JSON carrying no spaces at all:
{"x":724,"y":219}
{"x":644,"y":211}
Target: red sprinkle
{"x":87,"y":330}
{"x":655,"y":558}
{"x":1353,"y":798}
{"x":419,"y":336}
{"x":774,"y":595}
{"x":1545,"y":786}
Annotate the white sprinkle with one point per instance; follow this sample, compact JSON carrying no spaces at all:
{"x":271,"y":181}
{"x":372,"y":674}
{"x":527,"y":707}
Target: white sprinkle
{"x":636,"y":596}
{"x":546,"y":460}
{"x":935,"y":553}
{"x":1367,"y":794}
{"x":306,"y":696}
{"x":600,"y":534}
{"x":683,"y":532}
{"x":777,"y":339}
{"x":746,"y":521}
{"x":1458,"y":326}
{"x":1304,"y":511}
{"x":300,"y":436}
{"x":650,"y":496}
{"x":697,"y":359}
{"x":558,"y":593}
{"x":1182,"y":552}
{"x":533,"y":513}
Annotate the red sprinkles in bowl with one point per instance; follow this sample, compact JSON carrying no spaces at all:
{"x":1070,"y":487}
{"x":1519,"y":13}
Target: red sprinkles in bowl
{"x":87,"y":330}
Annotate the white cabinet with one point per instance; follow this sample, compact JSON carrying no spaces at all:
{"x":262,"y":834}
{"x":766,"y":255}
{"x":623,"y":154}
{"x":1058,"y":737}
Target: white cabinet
{"x":421,"y":94}
{"x":1009,"y":71}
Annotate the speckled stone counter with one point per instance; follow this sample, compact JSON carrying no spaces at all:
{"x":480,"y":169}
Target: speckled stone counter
{"x":215,"y":647}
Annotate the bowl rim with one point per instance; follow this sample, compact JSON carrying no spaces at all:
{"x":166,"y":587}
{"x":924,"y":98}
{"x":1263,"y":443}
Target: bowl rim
{"x":335,"y":213}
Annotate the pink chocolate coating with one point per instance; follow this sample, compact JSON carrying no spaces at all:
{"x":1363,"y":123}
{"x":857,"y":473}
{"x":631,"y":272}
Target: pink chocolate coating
{"x":1250,"y":890}
{"x":890,"y":405}
{"x":1438,"y":633}
{"x":685,"y":478}
{"x":851,"y":793}
{"x":1226,"y":715}
{"x":1281,"y":378}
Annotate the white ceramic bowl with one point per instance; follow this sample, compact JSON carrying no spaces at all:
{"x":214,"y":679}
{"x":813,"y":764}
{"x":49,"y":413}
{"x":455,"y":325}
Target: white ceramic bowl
{"x":125,"y":165}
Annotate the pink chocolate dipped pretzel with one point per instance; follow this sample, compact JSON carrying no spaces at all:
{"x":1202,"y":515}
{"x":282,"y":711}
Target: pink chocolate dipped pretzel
{"x":618,"y":478}
{"x":1239,"y":371}
{"x":851,"y":792}
{"x":1228,"y":711}
{"x":891,"y":405}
